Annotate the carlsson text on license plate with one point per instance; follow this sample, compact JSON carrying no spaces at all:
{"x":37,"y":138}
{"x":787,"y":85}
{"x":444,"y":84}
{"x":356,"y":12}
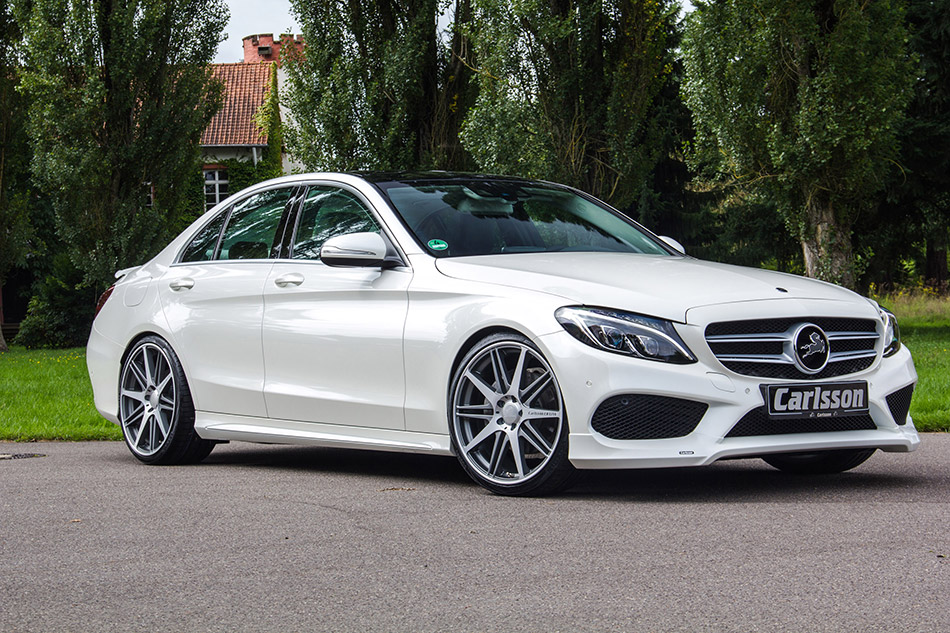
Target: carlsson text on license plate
{"x":818,"y":401}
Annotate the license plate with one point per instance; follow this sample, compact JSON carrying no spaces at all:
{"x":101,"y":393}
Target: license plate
{"x":827,"y":400}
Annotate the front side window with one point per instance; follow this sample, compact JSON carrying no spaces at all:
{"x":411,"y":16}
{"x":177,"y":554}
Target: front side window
{"x":328,"y":212}
{"x":251,"y":232}
{"x":216,"y":186}
{"x":486,"y":217}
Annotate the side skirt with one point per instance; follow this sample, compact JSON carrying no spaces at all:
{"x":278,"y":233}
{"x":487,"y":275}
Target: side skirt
{"x":220,"y":426}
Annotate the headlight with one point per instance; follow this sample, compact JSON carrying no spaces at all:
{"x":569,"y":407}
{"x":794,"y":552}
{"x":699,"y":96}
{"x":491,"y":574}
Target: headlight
{"x":892,"y":333}
{"x":626,"y":333}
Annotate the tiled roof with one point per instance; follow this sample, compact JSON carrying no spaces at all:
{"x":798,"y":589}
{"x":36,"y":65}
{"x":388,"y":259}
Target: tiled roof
{"x":245,"y":86}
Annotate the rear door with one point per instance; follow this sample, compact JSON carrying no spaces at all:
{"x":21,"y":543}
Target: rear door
{"x":214,"y":305}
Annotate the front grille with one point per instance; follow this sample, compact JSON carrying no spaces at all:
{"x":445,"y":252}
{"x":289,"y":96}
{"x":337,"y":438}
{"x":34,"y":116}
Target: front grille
{"x":645,"y":417}
{"x":757,"y":422}
{"x":899,"y":404}
{"x":765,"y":347}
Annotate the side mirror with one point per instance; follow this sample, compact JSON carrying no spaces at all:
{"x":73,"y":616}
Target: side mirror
{"x":354,"y":249}
{"x":669,"y":241}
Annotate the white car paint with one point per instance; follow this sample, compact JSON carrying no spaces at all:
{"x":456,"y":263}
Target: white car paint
{"x":300,"y":352}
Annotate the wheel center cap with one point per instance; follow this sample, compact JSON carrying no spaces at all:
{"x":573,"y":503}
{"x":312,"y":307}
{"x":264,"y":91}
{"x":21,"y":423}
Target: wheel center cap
{"x":153,"y":399}
{"x":511,"y":412}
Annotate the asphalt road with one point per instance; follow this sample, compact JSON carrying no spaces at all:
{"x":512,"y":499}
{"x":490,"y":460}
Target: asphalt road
{"x":268,"y":538}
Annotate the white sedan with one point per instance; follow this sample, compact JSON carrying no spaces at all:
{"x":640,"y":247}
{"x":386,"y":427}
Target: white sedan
{"x":522,"y":326}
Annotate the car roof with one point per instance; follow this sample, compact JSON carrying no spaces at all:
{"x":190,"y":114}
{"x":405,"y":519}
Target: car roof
{"x":381,"y":177}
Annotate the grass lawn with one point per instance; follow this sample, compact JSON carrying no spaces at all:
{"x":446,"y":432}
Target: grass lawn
{"x":45,"y":394}
{"x":925,"y":329}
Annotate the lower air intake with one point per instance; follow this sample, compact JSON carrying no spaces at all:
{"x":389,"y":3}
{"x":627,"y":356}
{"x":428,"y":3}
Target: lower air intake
{"x":644,"y":417}
{"x":757,"y":422}
{"x":899,"y":404}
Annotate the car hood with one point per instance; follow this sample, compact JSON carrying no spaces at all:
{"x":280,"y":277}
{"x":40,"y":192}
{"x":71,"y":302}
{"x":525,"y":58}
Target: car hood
{"x":657,"y":285}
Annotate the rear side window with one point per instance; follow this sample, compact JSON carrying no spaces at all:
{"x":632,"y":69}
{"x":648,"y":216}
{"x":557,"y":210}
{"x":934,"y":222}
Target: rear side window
{"x":328,"y":212}
{"x":201,"y":248}
{"x":251,"y":231}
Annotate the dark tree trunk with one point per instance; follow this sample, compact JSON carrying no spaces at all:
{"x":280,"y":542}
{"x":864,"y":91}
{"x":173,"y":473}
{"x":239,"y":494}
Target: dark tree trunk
{"x":827,"y":245}
{"x":936,"y":272}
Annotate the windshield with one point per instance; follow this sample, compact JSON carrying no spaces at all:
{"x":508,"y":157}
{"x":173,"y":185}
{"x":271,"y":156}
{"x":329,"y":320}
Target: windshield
{"x":454,"y":218}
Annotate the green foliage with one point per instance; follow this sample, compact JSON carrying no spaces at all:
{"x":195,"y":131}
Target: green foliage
{"x":193,"y":204}
{"x":800,"y":103}
{"x":750,"y":232}
{"x":569,"y":90}
{"x":267,"y":119}
{"x":912,"y":223}
{"x":15,"y":227}
{"x":119,"y":93}
{"x":14,"y":146}
{"x":375,"y":89}
{"x":61,"y":310}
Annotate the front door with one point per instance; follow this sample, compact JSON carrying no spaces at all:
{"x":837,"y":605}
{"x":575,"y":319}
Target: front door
{"x":333,"y":336}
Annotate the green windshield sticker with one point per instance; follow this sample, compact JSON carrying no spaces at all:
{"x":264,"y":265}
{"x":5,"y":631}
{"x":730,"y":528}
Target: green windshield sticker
{"x":437,"y":245}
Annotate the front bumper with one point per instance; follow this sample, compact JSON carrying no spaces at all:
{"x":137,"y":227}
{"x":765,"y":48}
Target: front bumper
{"x":588,"y":377}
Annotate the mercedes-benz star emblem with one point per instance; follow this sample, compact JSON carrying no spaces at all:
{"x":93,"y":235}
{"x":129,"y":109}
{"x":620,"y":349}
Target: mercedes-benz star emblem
{"x":811,"y":348}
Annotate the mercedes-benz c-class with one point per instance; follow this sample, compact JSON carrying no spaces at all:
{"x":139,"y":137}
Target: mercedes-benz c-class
{"x":522,"y":326}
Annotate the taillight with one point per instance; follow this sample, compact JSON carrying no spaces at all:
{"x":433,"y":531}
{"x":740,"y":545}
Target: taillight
{"x":103,"y":298}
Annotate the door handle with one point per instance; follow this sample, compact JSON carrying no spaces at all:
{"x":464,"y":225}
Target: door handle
{"x":290,"y":279}
{"x":182,"y":284}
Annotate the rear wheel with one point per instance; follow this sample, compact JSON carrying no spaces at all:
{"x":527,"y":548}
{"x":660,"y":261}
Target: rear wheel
{"x":820,"y":463}
{"x":155,"y":407}
{"x":508,"y":425}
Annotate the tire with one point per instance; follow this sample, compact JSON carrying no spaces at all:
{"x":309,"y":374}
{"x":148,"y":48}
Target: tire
{"x":820,"y":463}
{"x":507,"y":420}
{"x":156,"y":411}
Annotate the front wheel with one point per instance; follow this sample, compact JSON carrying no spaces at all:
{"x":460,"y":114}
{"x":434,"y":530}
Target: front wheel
{"x":507,"y":419}
{"x":156,"y":412}
{"x":820,"y":463}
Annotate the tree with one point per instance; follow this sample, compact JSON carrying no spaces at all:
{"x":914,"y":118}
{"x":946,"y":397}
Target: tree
{"x":15,"y":226}
{"x":569,"y":91}
{"x":119,"y":93}
{"x":917,"y":209}
{"x":376,"y":87}
{"x":800,"y":102}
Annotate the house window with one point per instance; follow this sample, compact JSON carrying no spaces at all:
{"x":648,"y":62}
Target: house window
{"x":216,"y":186}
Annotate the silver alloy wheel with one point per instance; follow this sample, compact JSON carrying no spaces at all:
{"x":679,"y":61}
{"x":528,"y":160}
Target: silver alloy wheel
{"x":148,"y":403}
{"x":507,"y":412}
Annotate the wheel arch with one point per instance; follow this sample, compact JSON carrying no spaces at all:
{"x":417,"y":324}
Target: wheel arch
{"x":472,"y":340}
{"x":157,"y":334}
{"x":137,"y":338}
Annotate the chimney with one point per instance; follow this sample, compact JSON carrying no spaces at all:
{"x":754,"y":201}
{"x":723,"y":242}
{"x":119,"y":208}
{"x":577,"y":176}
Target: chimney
{"x":264,"y":48}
